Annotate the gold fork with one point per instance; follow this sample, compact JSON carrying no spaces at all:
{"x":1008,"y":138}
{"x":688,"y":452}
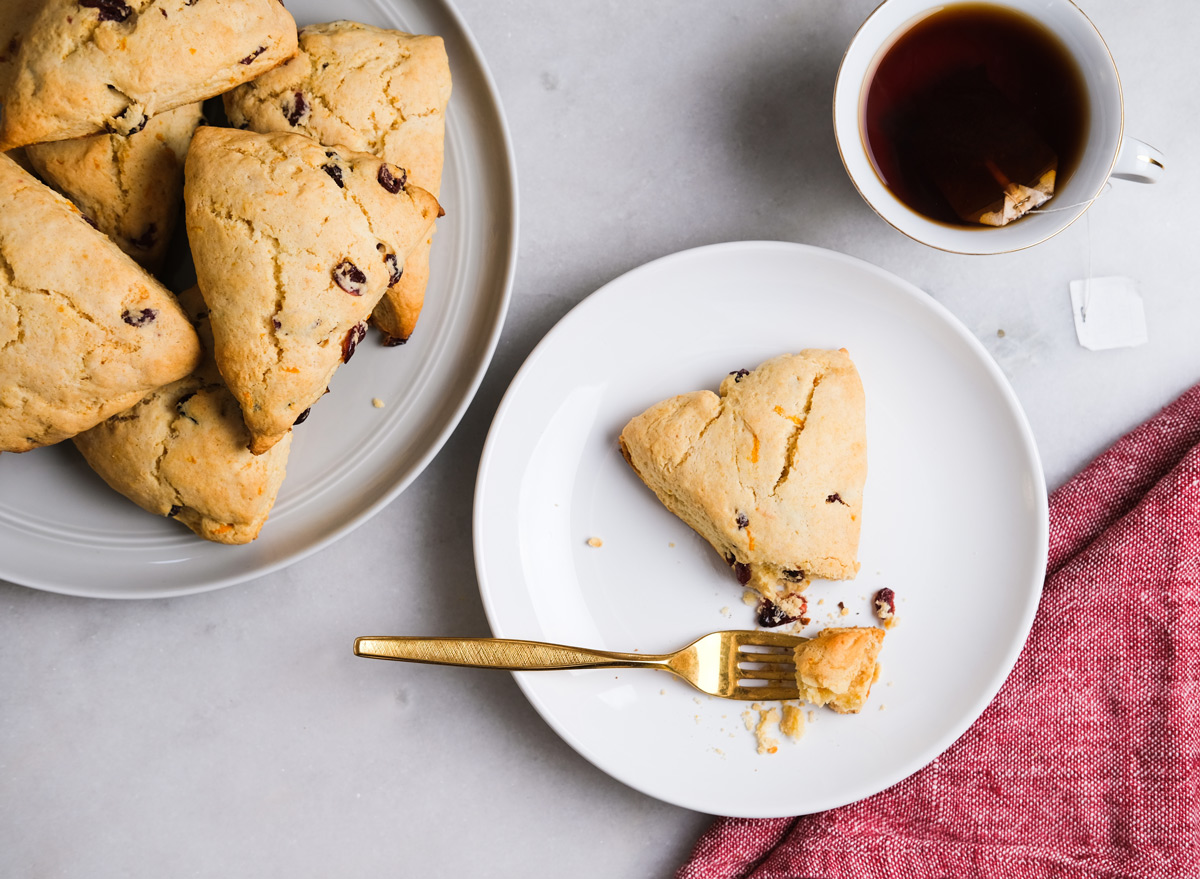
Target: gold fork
{"x":718,"y":664}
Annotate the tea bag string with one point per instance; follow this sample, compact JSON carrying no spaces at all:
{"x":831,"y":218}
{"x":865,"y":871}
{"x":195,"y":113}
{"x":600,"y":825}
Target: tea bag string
{"x":1087,"y":279}
{"x":1087,"y":233}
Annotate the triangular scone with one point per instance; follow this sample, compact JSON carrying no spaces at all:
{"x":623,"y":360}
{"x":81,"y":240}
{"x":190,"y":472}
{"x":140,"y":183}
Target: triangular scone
{"x":838,"y":666}
{"x":91,"y":66}
{"x":770,"y":472}
{"x":84,"y":331}
{"x":294,"y":244}
{"x":182,"y":452}
{"x":371,"y":90}
{"x":130,"y":187}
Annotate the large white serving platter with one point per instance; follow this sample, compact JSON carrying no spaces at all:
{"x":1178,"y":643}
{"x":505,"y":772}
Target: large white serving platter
{"x":954,"y":520}
{"x":62,"y":529}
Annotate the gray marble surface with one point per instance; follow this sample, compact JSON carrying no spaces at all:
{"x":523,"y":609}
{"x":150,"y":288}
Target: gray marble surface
{"x":232,"y":733}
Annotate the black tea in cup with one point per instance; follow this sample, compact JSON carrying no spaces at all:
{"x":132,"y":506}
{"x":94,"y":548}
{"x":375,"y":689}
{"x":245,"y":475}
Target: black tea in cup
{"x":975,"y":115}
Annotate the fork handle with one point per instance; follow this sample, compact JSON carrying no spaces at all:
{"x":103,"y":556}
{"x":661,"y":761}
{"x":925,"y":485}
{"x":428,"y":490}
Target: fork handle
{"x":497,"y":653}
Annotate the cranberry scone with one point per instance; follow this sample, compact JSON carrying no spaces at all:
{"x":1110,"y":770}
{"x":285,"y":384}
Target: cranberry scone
{"x":83,"y":335}
{"x":374,"y":91}
{"x":838,"y":667}
{"x":90,"y":66}
{"x":129,"y":187}
{"x":294,"y":244}
{"x":182,"y":452}
{"x":770,"y":471}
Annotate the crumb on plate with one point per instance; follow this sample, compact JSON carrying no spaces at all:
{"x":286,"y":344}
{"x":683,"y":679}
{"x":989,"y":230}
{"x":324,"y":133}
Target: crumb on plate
{"x":767,"y":717}
{"x":792,"y":724}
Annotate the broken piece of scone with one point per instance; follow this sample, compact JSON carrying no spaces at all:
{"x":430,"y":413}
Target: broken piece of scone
{"x":838,"y":666}
{"x":770,"y":471}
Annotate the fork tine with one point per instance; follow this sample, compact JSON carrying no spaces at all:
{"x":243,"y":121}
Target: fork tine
{"x":767,"y":658}
{"x":767,"y":674}
{"x":767,"y":639}
{"x":764,"y":694}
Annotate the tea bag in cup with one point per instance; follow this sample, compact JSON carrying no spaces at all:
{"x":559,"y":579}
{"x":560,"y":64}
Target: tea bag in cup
{"x":982,"y":151}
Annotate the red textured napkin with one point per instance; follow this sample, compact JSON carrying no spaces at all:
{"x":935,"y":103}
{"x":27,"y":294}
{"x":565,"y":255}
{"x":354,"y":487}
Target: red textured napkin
{"x":1087,"y":763}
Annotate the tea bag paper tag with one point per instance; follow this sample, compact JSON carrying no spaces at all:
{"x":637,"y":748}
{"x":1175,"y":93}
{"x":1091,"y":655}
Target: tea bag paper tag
{"x":1108,"y":313}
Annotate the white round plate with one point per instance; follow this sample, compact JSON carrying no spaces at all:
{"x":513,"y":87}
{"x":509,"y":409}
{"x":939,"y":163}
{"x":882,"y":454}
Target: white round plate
{"x":954,"y":520}
{"x":62,"y":529}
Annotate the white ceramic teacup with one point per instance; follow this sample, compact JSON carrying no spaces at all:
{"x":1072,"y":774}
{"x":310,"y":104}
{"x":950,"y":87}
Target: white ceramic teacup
{"x":1108,"y":152}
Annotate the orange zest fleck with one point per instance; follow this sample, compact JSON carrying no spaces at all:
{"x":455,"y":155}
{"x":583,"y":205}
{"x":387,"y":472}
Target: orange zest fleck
{"x":795,"y":419}
{"x":754,"y":451}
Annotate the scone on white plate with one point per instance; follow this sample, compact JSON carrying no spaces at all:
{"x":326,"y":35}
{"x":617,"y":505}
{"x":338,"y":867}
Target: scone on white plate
{"x":374,"y":91}
{"x":770,"y":471}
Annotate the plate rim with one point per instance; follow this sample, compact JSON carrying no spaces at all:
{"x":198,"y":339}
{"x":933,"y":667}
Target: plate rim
{"x":999,"y":674}
{"x":508,"y":257}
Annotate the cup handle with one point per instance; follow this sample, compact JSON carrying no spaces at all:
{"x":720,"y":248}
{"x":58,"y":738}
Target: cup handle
{"x":1138,"y":162}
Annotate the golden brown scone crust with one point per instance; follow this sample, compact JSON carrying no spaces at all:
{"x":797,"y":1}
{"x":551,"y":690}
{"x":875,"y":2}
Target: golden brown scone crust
{"x":130,"y":187}
{"x":182,"y":452}
{"x":770,"y":472}
{"x":83,"y":70}
{"x":83,"y":334}
{"x":374,"y":91}
{"x":294,"y":244}
{"x":838,"y":666}
{"x":396,"y":314}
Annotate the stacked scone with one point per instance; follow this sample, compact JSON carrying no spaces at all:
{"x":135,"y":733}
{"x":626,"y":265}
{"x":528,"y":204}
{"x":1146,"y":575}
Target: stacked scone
{"x":302,"y":230}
